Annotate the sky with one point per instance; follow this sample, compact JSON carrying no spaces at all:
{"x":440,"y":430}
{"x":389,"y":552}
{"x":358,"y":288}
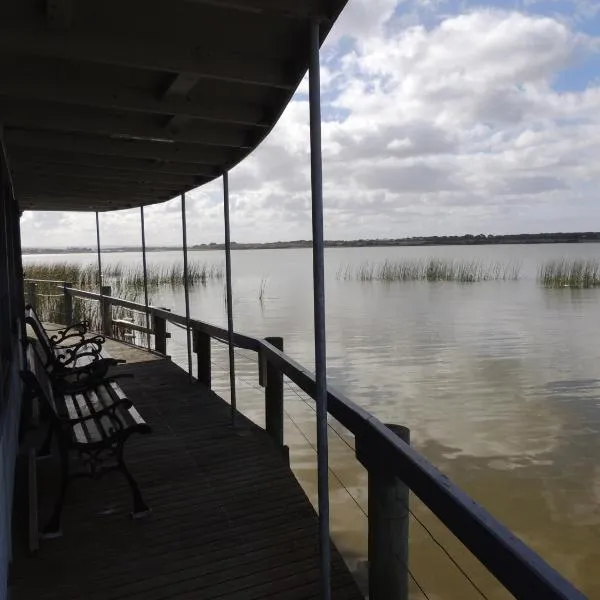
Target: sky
{"x":440,"y":117}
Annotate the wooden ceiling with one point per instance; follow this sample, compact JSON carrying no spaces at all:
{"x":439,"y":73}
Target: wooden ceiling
{"x":120,"y":103}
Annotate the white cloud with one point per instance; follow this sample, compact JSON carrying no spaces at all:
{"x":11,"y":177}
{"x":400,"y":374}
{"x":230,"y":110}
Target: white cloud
{"x":451,"y":126}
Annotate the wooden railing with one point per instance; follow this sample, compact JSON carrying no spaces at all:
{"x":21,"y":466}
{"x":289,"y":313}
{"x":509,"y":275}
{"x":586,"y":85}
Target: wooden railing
{"x":389,"y":460}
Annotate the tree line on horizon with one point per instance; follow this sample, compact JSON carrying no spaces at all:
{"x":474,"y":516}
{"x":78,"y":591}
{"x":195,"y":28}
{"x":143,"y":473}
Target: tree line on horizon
{"x":433,"y":240}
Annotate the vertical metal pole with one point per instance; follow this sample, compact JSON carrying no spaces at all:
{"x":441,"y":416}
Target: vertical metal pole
{"x":99,"y":257}
{"x":316,"y":180}
{"x":145,"y":269}
{"x":186,"y":289}
{"x":229,"y":296}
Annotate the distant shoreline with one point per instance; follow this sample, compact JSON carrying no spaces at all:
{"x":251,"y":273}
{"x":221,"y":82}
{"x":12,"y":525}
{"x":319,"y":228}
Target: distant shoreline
{"x":464,"y":240}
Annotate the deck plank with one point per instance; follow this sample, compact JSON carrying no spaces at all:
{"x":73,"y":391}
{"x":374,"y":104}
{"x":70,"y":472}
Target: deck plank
{"x":229,"y":520}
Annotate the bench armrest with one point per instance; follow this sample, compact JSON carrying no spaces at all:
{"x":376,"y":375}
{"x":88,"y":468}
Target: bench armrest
{"x":82,"y":378}
{"x":81,"y":340}
{"x":72,"y":354}
{"x":78,"y":329}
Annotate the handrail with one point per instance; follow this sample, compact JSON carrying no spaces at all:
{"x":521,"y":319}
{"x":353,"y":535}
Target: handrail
{"x":61,"y":283}
{"x":516,"y":566}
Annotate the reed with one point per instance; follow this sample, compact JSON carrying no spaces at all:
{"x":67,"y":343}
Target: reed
{"x":127,"y":282}
{"x":262,"y":289}
{"x":577,"y":273}
{"x":431,"y":269}
{"x":86,"y":276}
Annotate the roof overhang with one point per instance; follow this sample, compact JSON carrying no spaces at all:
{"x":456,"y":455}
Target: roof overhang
{"x":122,"y":103}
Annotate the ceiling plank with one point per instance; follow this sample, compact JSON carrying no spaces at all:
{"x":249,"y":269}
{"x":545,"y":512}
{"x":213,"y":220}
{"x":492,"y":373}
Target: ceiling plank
{"x":171,"y":55}
{"x":54,"y":116}
{"x":30,"y":189}
{"x":79,"y":203}
{"x":65,"y":182}
{"x":94,"y":173}
{"x":308,"y":9}
{"x":181,"y":85}
{"x":37,"y":85}
{"x":145,"y":166}
{"x":116,"y":147}
{"x":59,"y":14}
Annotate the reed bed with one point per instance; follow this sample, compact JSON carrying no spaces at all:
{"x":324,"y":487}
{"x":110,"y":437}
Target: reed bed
{"x":127,"y":282}
{"x":86,"y":276}
{"x":431,"y":269}
{"x":50,"y":305}
{"x":577,"y":273}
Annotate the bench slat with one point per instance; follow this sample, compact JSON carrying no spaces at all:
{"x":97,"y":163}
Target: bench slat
{"x":78,"y":432}
{"x":104,"y":396}
{"x":117,"y":390}
{"x":134,"y":415}
{"x":93,"y":433}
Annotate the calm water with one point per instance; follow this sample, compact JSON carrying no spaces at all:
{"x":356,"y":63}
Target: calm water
{"x":498,"y":381}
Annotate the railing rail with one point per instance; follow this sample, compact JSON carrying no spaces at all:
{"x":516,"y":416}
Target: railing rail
{"x":516,"y":566}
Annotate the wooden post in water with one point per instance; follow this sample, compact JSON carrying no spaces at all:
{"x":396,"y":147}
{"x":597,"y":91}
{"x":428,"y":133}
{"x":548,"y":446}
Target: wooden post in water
{"x":202,"y":350}
{"x":31,"y":295}
{"x":160,"y":334}
{"x":106,"y":310}
{"x":274,"y":396}
{"x":68,"y":304}
{"x":388,"y":523}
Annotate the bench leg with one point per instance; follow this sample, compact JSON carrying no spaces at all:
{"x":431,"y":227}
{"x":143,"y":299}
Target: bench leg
{"x":52,"y":529}
{"x":44,"y":450}
{"x":140,"y":508}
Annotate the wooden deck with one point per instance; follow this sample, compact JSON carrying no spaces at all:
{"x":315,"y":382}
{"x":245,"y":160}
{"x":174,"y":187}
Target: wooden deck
{"x":229,"y":520}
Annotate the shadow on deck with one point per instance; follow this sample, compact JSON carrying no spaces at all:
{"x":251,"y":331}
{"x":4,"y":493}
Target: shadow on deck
{"x":229,"y":520}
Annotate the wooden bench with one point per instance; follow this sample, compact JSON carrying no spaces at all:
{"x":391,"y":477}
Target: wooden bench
{"x":82,"y":361}
{"x":94,"y":423}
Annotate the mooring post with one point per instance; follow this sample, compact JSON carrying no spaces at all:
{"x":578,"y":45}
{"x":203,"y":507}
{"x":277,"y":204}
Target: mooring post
{"x":68,"y":304}
{"x":160,"y":333}
{"x":31,"y":295}
{"x":106,"y":310}
{"x":388,"y":523}
{"x":202,"y":350}
{"x":274,"y":396}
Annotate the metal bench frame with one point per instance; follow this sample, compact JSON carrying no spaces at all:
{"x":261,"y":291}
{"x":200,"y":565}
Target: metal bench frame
{"x":63,"y":362}
{"x":65,"y":347}
{"x":115,"y":420}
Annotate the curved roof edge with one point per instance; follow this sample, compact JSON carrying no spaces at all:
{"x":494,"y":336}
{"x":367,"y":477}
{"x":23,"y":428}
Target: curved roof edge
{"x":115,"y":104}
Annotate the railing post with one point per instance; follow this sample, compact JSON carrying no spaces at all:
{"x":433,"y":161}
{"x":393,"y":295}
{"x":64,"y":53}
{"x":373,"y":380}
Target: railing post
{"x":202,"y":350}
{"x":31,"y":295}
{"x":160,"y":334}
{"x":106,"y":310}
{"x":388,"y":523}
{"x":274,"y":396}
{"x":68,"y":303}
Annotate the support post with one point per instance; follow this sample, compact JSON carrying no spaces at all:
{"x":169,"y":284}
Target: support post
{"x":145,"y":269}
{"x":202,"y":350}
{"x":99,"y":252}
{"x":186,"y":287}
{"x":229,"y":296}
{"x":274,"y":396}
{"x":106,"y":308}
{"x":316,"y":180}
{"x":68,"y":304}
{"x":160,"y":334}
{"x":388,"y":523}
{"x":31,"y":294}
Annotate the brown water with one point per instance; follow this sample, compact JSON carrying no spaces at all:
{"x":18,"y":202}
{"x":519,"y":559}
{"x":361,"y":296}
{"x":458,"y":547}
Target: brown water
{"x":498,"y":381}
